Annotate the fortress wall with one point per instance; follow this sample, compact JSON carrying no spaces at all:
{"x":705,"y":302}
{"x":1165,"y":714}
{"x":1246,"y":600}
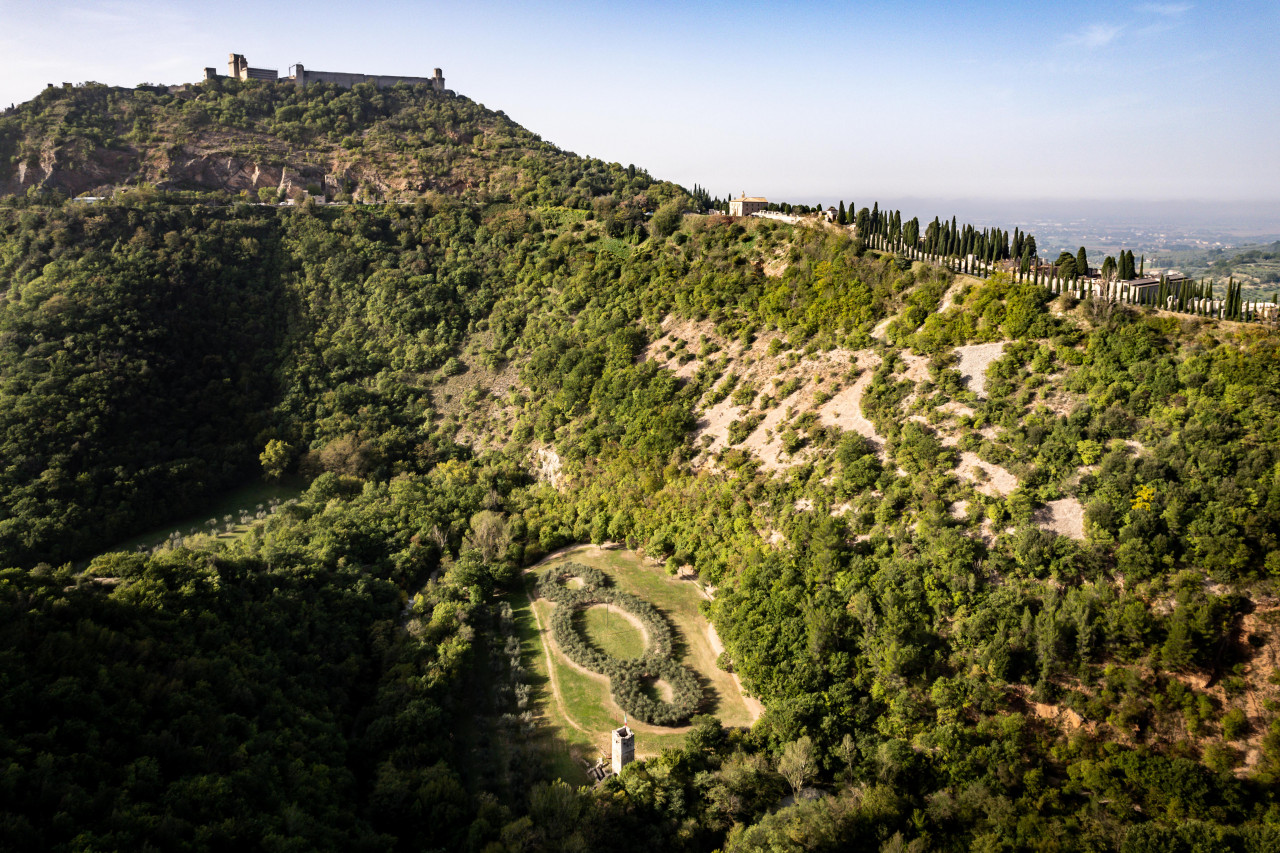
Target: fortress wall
{"x":348,"y":80}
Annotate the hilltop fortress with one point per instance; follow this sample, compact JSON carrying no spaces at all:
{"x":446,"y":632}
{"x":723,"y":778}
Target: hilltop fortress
{"x":239,"y":68}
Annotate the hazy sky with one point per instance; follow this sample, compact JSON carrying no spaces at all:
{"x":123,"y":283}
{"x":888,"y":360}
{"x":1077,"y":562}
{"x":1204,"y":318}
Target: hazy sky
{"x":802,"y":101}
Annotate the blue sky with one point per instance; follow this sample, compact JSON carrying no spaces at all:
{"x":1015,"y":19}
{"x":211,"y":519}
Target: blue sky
{"x":804,"y":101}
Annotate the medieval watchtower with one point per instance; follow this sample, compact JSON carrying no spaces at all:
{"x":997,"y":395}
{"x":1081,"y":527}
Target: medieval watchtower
{"x":624,"y":748}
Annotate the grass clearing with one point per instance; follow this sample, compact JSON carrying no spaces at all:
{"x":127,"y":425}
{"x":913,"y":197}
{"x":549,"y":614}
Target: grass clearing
{"x":247,"y":498}
{"x":611,"y":631}
{"x":577,"y":704}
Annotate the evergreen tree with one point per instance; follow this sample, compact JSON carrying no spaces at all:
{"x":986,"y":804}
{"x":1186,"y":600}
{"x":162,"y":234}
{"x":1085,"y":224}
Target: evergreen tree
{"x":841,"y":217}
{"x":1082,"y":263}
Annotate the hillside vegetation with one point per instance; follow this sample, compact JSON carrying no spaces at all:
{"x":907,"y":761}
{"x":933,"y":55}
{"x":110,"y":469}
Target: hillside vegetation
{"x":233,"y":136}
{"x":1000,"y":565}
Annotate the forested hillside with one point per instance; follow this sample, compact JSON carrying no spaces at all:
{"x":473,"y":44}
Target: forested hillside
{"x":999,"y":563}
{"x":229,"y":136}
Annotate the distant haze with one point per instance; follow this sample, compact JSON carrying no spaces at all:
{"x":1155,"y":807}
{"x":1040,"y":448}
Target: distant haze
{"x":805,"y":102}
{"x":1253,"y":219}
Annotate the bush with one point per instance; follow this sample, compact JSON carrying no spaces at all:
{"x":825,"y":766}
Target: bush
{"x":1235,"y":724}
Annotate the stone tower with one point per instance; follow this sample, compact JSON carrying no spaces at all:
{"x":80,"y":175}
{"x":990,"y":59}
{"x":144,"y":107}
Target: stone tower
{"x":624,"y":748}
{"x":437,"y":82}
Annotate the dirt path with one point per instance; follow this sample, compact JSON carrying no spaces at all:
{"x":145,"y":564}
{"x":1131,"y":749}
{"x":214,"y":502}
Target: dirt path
{"x":754,"y":707}
{"x":545,"y":636}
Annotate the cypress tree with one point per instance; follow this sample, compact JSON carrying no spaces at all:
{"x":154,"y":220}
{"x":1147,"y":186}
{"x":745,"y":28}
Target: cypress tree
{"x":1082,"y":263}
{"x":1109,"y":267}
{"x":841,"y":217}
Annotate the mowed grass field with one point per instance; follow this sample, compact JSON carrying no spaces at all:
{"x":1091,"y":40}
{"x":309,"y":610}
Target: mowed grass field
{"x":611,"y":632}
{"x":576,"y":703}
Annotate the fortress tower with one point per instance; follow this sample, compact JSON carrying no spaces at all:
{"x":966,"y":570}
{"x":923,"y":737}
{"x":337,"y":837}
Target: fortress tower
{"x":624,"y":748}
{"x":239,"y":68}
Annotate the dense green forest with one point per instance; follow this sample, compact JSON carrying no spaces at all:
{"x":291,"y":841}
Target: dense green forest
{"x":941,"y":669}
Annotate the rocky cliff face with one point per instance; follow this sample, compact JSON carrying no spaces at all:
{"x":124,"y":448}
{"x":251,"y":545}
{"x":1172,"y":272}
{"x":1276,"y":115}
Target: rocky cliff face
{"x":72,"y":169}
{"x":374,"y":144}
{"x":201,"y":165}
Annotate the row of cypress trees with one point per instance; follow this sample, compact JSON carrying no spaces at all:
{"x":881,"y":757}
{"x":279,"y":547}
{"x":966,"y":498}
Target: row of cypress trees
{"x":968,"y":250}
{"x":976,"y":252}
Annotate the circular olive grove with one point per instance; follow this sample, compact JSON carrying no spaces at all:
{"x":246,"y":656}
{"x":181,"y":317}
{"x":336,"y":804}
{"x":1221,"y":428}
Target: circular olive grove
{"x":627,"y":678}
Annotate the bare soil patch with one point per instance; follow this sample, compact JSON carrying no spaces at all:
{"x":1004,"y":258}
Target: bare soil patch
{"x":917,"y":366}
{"x":844,"y":410}
{"x":765,"y":441}
{"x":662,"y":690}
{"x":1064,"y":517}
{"x":767,"y":374}
{"x":994,"y":480}
{"x":548,"y":468}
{"x":949,"y":298}
{"x":974,"y":361}
{"x":675,"y":332}
{"x":1260,"y":639}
